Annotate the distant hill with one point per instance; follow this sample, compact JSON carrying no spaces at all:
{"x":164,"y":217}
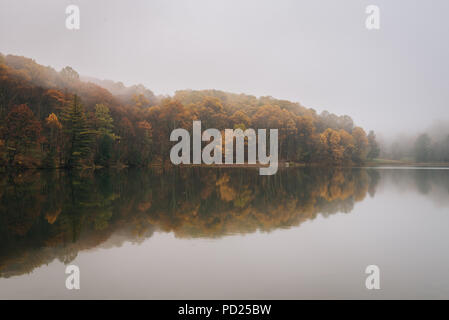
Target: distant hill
{"x":126,"y":95}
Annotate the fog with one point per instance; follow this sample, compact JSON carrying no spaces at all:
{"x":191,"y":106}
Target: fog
{"x":319,"y":53}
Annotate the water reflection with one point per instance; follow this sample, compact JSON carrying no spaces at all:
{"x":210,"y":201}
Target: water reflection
{"x":51,"y":215}
{"x":431,"y":182}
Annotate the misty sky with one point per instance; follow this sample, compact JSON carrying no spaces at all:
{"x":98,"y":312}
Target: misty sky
{"x":318,"y":53}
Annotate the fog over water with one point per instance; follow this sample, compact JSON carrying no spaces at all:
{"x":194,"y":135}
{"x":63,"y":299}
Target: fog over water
{"x":319,"y":53}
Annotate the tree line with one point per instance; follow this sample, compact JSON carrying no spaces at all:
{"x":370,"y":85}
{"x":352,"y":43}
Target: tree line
{"x":54,"y":119}
{"x":427,"y":147}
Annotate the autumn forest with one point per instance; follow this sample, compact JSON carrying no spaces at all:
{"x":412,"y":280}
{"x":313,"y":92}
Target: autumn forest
{"x":51,"y":119}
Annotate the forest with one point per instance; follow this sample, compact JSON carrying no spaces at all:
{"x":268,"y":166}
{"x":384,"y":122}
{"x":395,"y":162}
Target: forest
{"x":58,"y":119}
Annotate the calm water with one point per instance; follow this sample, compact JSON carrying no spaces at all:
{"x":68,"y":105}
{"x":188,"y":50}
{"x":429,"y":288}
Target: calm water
{"x":225,"y":233}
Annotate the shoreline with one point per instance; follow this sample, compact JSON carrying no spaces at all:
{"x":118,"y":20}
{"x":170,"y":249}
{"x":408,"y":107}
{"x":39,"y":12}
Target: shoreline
{"x":380,"y":163}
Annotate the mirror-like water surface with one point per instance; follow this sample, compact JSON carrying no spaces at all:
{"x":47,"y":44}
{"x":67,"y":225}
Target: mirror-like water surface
{"x":225,"y":233}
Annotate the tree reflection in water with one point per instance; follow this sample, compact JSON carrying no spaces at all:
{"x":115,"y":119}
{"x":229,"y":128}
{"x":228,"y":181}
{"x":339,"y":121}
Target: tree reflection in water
{"x":47,"y":215}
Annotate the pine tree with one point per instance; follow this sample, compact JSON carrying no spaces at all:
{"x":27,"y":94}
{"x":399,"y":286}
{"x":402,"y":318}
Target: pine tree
{"x":422,"y":148}
{"x":104,"y":126}
{"x":373,"y":146}
{"x":79,"y":136}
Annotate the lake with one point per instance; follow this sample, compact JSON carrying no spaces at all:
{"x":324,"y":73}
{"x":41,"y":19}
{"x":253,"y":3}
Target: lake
{"x":225,"y":233}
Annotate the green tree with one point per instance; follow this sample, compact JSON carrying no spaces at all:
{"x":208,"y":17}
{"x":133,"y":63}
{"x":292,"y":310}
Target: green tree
{"x":104,"y":123}
{"x":422,"y":148}
{"x":104,"y":126}
{"x":445,"y":150}
{"x":373,"y":147}
{"x":78,"y":134}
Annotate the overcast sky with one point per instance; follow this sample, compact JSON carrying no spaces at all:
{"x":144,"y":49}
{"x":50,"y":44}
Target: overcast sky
{"x":318,"y":53}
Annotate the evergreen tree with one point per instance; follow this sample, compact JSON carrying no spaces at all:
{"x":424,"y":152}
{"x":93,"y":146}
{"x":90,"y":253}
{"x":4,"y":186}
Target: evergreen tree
{"x":422,"y":148}
{"x":105,"y":136}
{"x":373,"y":147}
{"x":104,"y":124}
{"x":79,"y":136}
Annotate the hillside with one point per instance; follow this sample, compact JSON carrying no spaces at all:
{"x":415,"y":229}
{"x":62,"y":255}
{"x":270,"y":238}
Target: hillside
{"x":52,"y":118}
